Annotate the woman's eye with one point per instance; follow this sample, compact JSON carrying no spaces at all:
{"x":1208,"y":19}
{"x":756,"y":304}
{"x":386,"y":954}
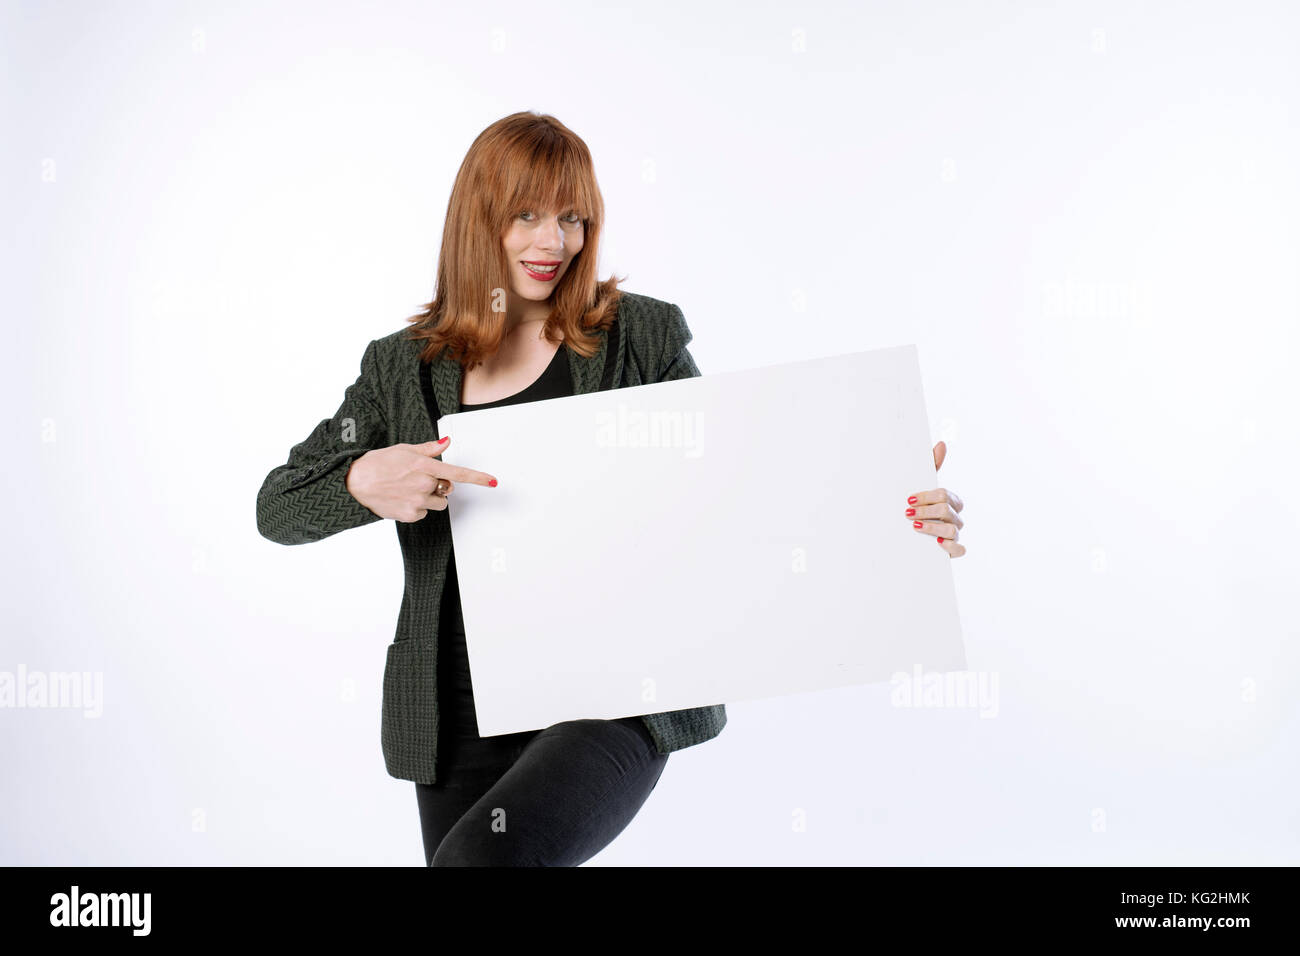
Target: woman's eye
{"x":572,"y":218}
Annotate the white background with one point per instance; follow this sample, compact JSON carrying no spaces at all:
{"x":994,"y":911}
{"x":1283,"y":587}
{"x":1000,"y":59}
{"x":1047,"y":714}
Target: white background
{"x":1084,"y":215}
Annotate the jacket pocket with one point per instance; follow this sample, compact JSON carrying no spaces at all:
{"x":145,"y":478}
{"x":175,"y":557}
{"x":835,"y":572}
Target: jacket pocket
{"x":409,"y":721}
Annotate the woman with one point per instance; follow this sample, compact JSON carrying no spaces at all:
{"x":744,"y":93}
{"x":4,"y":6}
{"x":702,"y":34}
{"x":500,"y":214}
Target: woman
{"x":518,"y":316}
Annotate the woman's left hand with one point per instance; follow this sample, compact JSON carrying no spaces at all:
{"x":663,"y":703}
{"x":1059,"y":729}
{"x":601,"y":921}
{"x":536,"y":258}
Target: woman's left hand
{"x":940,"y":507}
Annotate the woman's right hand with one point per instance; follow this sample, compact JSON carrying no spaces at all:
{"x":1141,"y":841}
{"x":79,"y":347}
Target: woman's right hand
{"x":400,"y":481}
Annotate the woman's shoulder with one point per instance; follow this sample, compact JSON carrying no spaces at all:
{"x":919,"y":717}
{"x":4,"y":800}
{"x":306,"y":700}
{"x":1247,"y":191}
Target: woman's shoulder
{"x":656,"y":333}
{"x":640,"y":309}
{"x":649,"y":322}
{"x":397,"y":348}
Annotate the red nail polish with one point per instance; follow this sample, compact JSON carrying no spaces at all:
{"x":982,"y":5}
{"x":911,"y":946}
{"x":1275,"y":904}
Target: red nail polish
{"x":911,"y":511}
{"x":442,"y":439}
{"x":941,"y":540}
{"x":916,"y":524}
{"x":492,"y":483}
{"x":912,"y":500}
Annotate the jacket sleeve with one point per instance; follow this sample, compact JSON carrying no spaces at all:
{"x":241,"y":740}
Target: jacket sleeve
{"x":305,"y":499}
{"x":675,"y":360}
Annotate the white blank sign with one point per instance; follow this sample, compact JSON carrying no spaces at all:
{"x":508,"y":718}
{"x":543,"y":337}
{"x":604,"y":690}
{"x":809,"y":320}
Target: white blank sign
{"x":729,"y":537}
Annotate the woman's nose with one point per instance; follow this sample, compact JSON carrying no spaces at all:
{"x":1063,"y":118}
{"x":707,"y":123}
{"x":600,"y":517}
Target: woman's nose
{"x":550,"y":236}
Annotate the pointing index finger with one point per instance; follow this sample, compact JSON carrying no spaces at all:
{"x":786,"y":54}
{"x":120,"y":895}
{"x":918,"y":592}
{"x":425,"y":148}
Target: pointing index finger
{"x":459,"y":473}
{"x":441,"y":469}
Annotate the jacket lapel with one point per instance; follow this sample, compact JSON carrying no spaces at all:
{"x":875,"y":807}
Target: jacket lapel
{"x":587,"y":372}
{"x":599,"y":371}
{"x":446,"y":384}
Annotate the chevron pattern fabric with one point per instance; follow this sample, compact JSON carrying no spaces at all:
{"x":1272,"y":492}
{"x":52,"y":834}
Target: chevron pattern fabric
{"x":306,"y":499}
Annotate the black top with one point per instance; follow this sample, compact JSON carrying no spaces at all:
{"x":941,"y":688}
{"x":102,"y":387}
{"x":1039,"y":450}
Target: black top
{"x":455,"y":691}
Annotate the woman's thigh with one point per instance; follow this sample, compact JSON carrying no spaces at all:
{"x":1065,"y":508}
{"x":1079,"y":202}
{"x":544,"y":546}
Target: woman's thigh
{"x":575,"y":786}
{"x":467,"y":769}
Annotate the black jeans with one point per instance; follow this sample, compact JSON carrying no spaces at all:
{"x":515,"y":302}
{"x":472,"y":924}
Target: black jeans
{"x":552,"y":797}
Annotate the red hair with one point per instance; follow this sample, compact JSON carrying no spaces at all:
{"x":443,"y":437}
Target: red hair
{"x":525,"y":161}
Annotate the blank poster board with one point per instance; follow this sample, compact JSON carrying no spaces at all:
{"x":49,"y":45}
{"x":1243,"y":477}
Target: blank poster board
{"x":729,"y":537}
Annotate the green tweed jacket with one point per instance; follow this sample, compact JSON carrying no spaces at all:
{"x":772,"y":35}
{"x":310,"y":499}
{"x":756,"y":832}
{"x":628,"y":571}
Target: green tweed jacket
{"x":392,"y":402}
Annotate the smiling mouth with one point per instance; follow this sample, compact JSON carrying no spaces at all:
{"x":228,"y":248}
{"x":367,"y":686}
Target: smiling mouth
{"x":540,"y":268}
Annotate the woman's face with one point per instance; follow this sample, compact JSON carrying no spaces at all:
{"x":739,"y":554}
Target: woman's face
{"x":547,"y":243}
